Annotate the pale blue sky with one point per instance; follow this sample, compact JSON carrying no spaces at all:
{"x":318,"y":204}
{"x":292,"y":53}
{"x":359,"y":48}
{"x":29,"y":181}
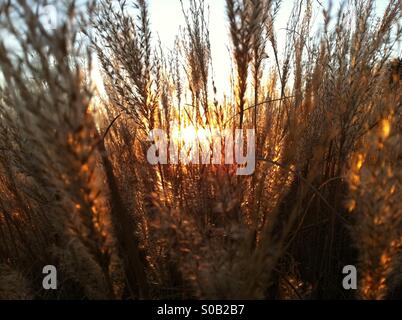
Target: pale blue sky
{"x":166,"y":18}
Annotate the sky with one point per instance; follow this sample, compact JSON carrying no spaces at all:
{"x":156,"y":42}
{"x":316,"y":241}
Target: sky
{"x":167,"y":17}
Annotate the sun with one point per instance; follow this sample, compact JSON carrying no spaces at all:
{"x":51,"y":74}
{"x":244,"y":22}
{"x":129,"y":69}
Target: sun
{"x":190,"y":135}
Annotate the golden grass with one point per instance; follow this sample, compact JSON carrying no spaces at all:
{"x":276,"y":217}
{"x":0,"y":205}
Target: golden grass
{"x":77,"y":190}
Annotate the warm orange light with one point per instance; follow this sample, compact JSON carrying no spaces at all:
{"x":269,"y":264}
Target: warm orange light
{"x":190,"y":135}
{"x":385,"y":128}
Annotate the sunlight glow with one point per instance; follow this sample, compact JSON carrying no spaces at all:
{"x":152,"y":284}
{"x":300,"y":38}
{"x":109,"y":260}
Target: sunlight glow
{"x":190,"y":135}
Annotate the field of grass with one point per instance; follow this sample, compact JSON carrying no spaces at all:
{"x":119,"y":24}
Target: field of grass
{"x":77,"y":190}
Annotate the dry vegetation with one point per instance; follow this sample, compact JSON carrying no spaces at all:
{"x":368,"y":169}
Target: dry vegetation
{"x":77,"y":190}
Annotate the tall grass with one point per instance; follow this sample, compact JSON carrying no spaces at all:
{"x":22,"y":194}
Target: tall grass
{"x":78,"y":192}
